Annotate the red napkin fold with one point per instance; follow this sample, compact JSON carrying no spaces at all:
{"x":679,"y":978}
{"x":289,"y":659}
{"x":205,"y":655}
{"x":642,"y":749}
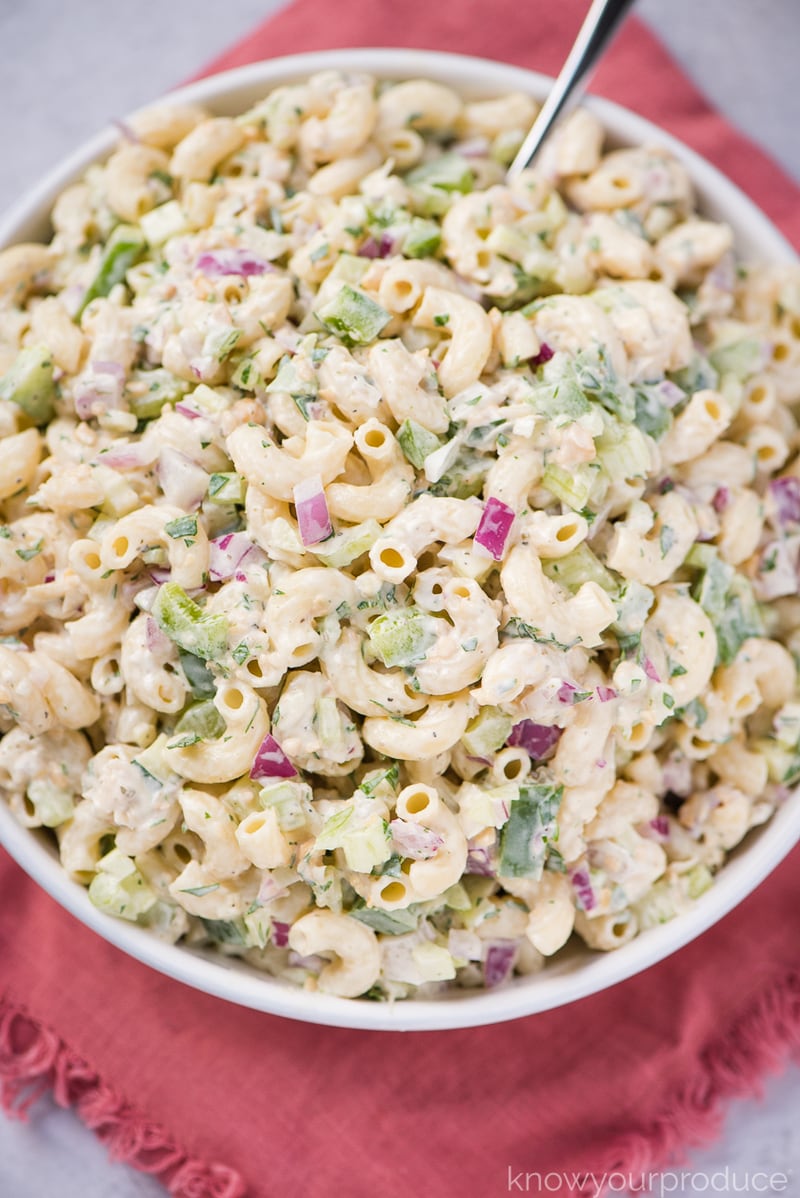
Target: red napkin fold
{"x":220,"y":1102}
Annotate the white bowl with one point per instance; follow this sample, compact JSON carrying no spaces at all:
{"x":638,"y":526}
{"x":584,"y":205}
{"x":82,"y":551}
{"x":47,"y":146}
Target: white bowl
{"x":576,"y":971}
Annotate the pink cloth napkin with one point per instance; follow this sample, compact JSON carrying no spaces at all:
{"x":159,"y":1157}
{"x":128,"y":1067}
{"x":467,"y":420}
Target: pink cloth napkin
{"x":219,"y":1102}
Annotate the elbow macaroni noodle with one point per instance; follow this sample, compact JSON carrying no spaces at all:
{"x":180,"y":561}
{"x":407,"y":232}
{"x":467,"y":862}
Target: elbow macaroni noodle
{"x":398,"y":567}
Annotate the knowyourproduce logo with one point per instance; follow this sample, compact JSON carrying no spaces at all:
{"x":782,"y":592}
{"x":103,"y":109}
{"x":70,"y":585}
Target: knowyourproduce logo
{"x":598,"y":1185}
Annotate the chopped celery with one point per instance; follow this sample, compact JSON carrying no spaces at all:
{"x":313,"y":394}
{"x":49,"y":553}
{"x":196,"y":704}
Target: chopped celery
{"x":366,"y":847}
{"x":448,"y":172}
{"x":184,"y":526}
{"x":598,"y":379}
{"x":210,"y":401}
{"x":464,"y":477}
{"x":623,"y":451}
{"x":531,"y":826}
{"x":361,"y":833}
{"x":698,"y":881}
{"x":227,"y":488}
{"x":247,"y":376}
{"x":657,"y":907}
{"x":29,"y":384}
{"x":433,"y":961}
{"x":53,"y":805}
{"x":416,"y":442}
{"x":119,"y":889}
{"x":287,"y":799}
{"x":381,"y":783}
{"x":124,"y":247}
{"x":258,"y":926}
{"x":456,"y":898}
{"x":727,"y":599}
{"x":560,"y":400}
{"x":402,"y":637}
{"x":345,"y":546}
{"x":163,"y":222}
{"x":226,"y":931}
{"x":422,"y":239}
{"x":633,"y":602}
{"x":154,"y":761}
{"x":250,"y":931}
{"x":149,"y":390}
{"x":578,"y":567}
{"x":699,"y":375}
{"x":740,"y":358}
{"x":353,"y":317}
{"x":296,"y":376}
{"x":335,"y":827}
{"x":201,"y":721}
{"x":350,"y":268}
{"x":652,"y":415}
{"x":487,"y":732}
{"x":388,"y":923}
{"x":572,"y":487}
{"x":185,"y":623}
{"x":221,"y":343}
{"x":201,"y":681}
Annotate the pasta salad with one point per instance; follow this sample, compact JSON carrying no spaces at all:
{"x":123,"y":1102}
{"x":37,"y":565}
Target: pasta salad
{"x":398,"y":567}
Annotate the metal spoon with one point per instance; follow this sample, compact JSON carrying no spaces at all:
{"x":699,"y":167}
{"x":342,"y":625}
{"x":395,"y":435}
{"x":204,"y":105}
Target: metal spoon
{"x":601,"y":23}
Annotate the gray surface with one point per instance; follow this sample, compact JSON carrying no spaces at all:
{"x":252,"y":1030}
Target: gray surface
{"x":69,"y":67}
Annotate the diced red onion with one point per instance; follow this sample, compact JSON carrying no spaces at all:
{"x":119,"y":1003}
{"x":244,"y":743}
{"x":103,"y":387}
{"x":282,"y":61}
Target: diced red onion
{"x":313,"y":964}
{"x":494,"y":527}
{"x":382,"y":248}
{"x":660,"y":826}
{"x":113,"y":368}
{"x":280,"y":934}
{"x":722,"y":498}
{"x":650,"y":670}
{"x":786,"y":495}
{"x":538,"y":740}
{"x":566,"y":692}
{"x":125,"y":131}
{"x":500,"y":809}
{"x":288,"y":338}
{"x":723,"y":276}
{"x":777,"y":574}
{"x":159,"y":574}
{"x":473,"y":147}
{"x":127,"y":457}
{"x":270,"y":890}
{"x":606,"y":693}
{"x":582,"y":886}
{"x":670,"y":393}
{"x":468,"y":288}
{"x":313,"y":517}
{"x":183,"y":482}
{"x":156,"y":640}
{"x":677,"y":775}
{"x":499,"y":963}
{"x":188,"y":411}
{"x":271,"y":761}
{"x":464,"y":945}
{"x":479,"y":861}
{"x":227,"y":554}
{"x":99,"y":390}
{"x":412,"y":840}
{"x":237,"y":261}
{"x":544,"y":355}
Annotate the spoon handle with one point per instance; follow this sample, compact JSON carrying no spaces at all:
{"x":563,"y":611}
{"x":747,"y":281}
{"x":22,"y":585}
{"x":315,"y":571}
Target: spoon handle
{"x":597,"y":30}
